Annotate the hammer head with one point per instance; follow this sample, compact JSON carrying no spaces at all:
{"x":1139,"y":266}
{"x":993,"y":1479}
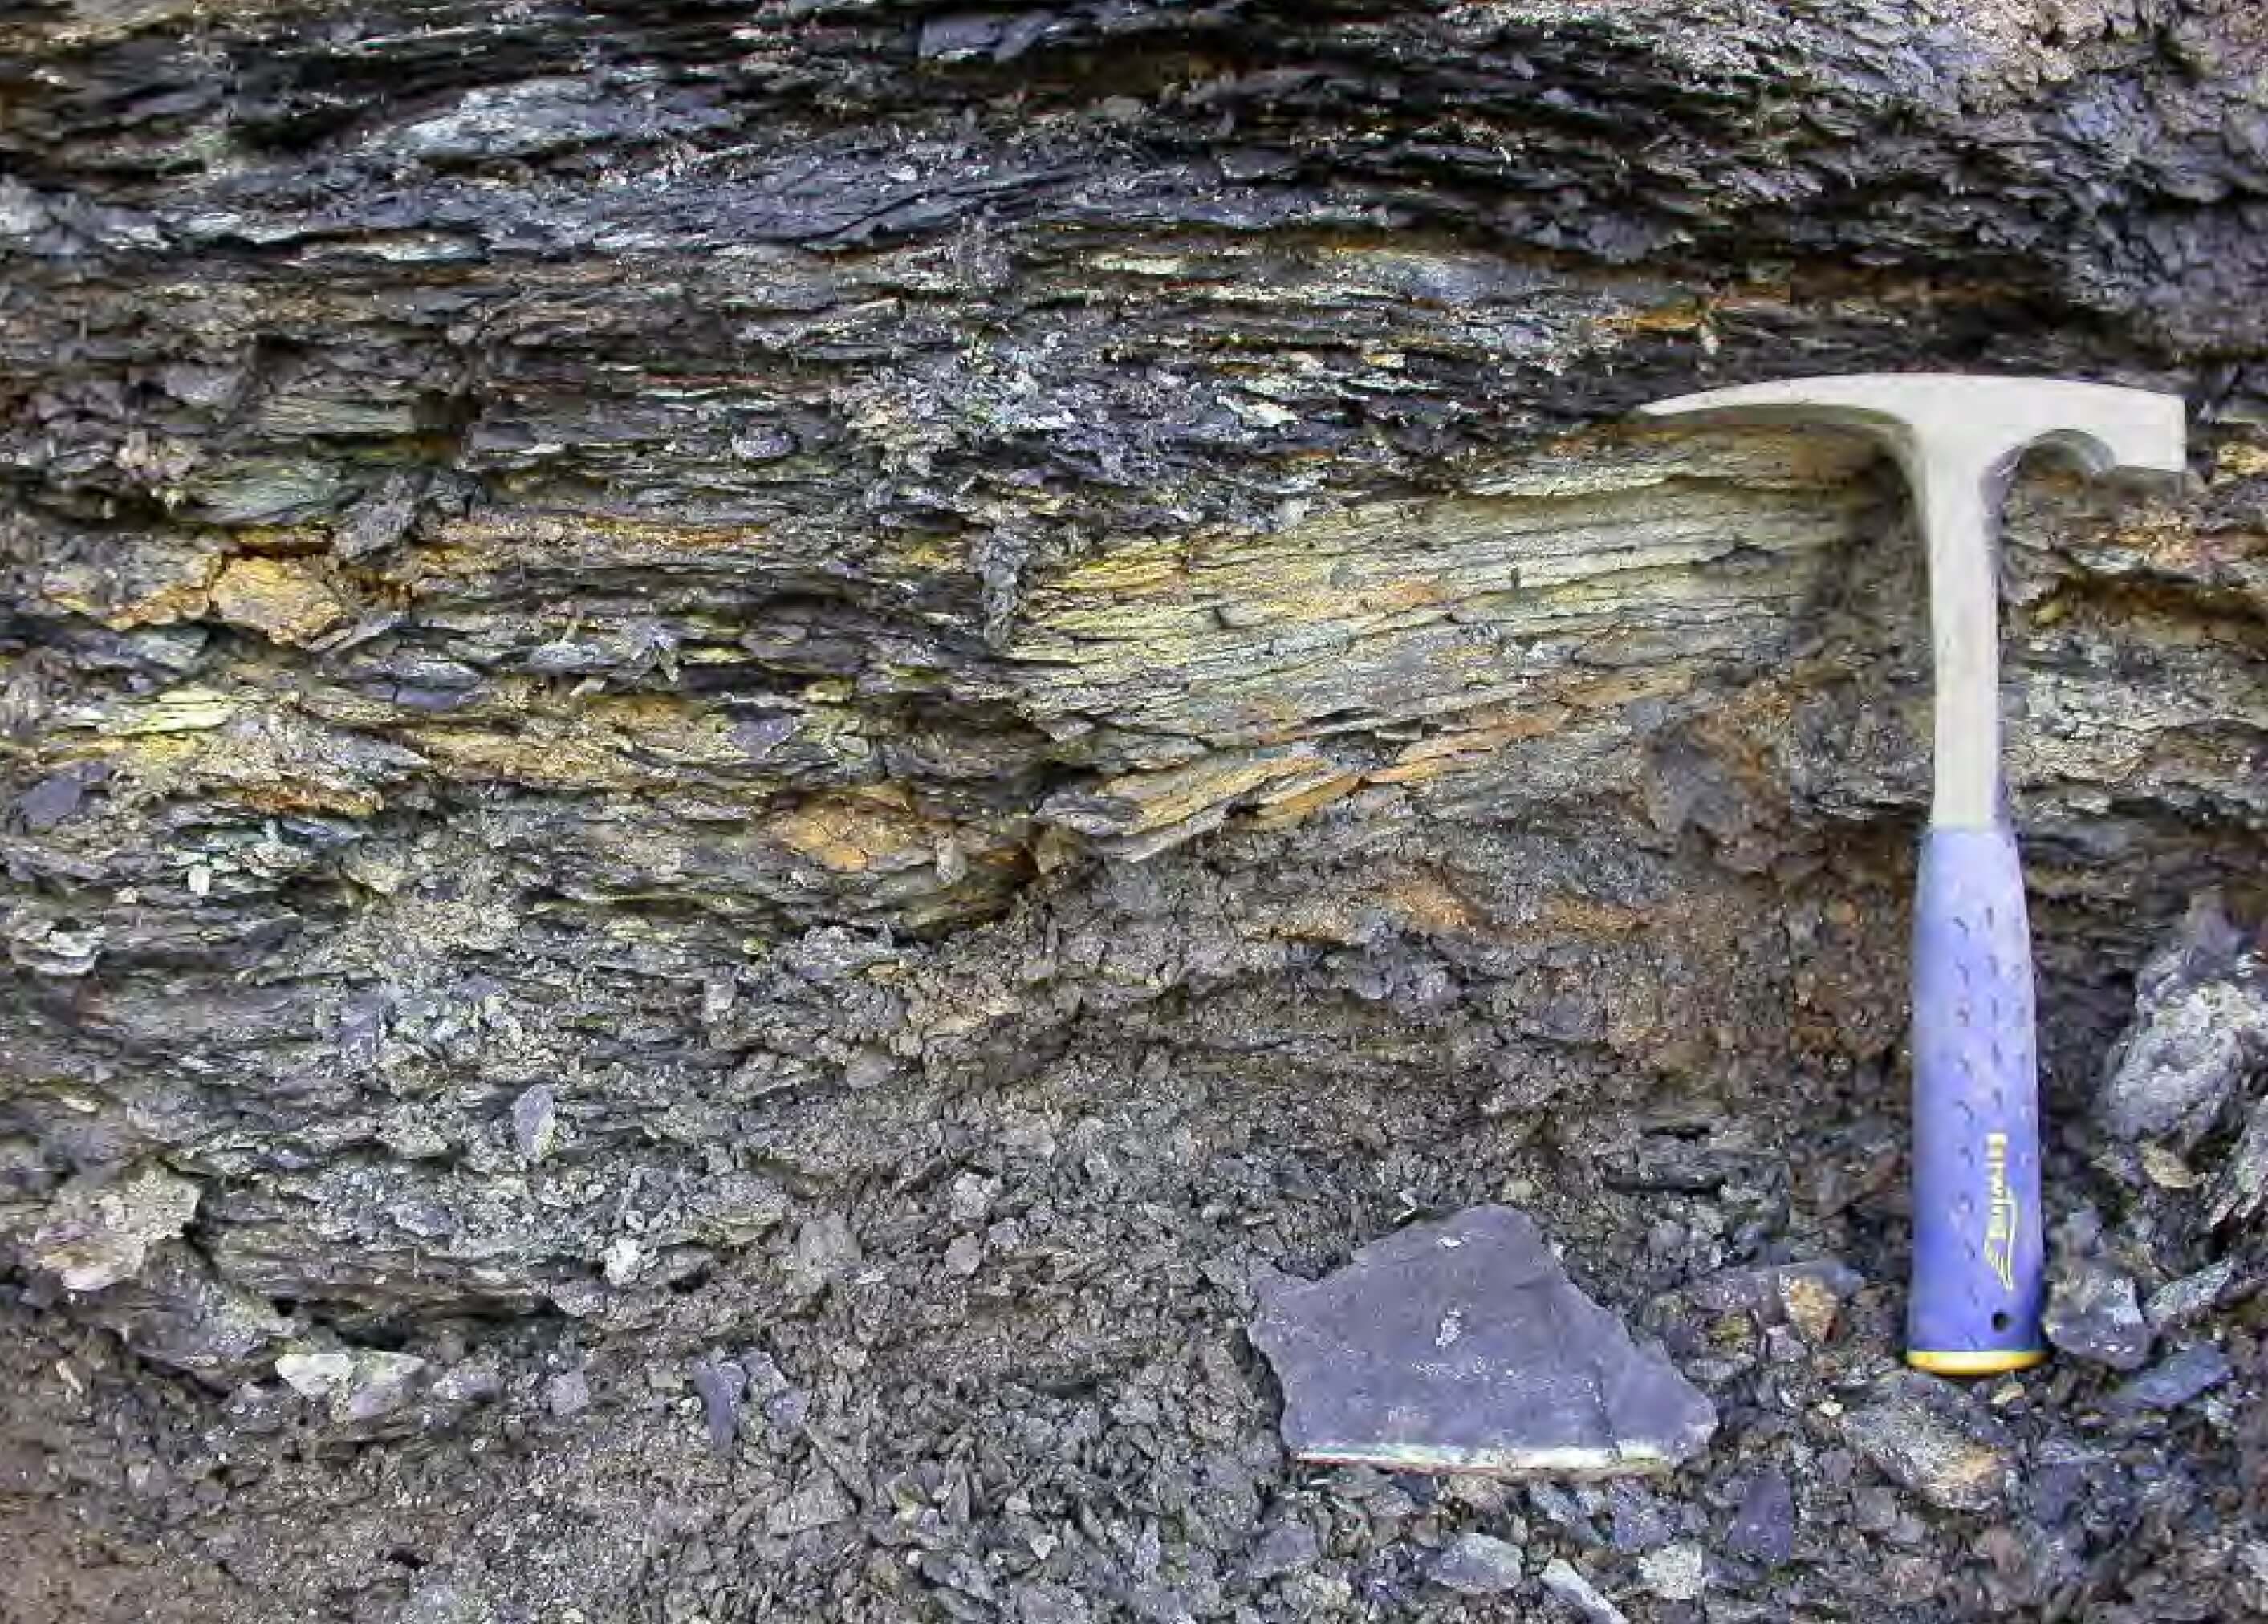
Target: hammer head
{"x":1978,"y":425}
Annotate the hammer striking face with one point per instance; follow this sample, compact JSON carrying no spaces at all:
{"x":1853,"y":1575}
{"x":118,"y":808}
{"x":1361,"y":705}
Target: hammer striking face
{"x":1977,"y":1272}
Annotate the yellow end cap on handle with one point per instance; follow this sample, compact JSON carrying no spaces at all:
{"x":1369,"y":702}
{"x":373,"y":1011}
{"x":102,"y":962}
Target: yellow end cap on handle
{"x":1988,"y":1361}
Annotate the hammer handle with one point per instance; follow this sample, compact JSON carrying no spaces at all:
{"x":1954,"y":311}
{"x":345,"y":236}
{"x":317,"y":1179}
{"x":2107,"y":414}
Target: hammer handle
{"x":1978,"y":1283}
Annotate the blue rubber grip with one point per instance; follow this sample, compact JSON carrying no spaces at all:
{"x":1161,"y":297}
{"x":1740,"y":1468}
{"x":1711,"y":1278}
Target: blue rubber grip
{"x":1977,"y":1260}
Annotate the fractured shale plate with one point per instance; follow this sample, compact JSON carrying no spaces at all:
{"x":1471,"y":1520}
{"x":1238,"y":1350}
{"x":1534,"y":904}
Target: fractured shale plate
{"x":1461,"y":1346}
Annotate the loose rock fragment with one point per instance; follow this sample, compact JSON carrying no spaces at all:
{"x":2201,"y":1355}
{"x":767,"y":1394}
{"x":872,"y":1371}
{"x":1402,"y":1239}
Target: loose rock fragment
{"x":2180,"y":1301}
{"x":381,"y":1384}
{"x":972,"y":1196}
{"x":45,"y":948}
{"x":380,"y":518}
{"x":720,"y":1383}
{"x":1463,"y":1346}
{"x":475,"y":1381}
{"x":1477,"y":1564}
{"x":1678,"y":1572}
{"x":825,"y":1249}
{"x":1807,"y":1296}
{"x":2174,"y":1381}
{"x":436,"y":1601}
{"x":1763,"y":1528}
{"x":2164,"y":1167}
{"x":362,"y":1385}
{"x":1930,"y":1437}
{"x":1285,"y":1547}
{"x":735,"y":1210}
{"x":1560,"y":1508}
{"x":59,"y":796}
{"x":1640,"y":1521}
{"x":622,"y":1261}
{"x":2093,"y":1314}
{"x":315,"y":1375}
{"x":820,"y":1501}
{"x":1571,"y":1587}
{"x":567,"y":1394}
{"x":536,"y":1122}
{"x":1050,"y":1604}
{"x":1811,"y":1306}
{"x":2252,"y":1576}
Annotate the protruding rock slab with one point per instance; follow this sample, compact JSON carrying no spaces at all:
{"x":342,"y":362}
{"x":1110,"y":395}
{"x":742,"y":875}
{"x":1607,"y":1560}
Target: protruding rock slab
{"x":98,"y":1232}
{"x":1463,"y":1346}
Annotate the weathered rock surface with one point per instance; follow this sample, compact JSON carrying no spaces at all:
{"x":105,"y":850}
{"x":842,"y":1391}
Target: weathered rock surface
{"x":1933,"y":1436}
{"x":1678,"y":1572}
{"x":1463,"y":1346}
{"x":98,"y":1229}
{"x":635,"y":639}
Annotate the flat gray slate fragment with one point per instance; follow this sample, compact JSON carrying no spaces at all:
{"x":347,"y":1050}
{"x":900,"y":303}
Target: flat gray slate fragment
{"x":2173,"y":1380}
{"x":1285,"y":1547}
{"x":720,"y":1383}
{"x":1478,"y":1564}
{"x":1461,"y":1346}
{"x":1764,"y":1529}
{"x":2094,"y":1313}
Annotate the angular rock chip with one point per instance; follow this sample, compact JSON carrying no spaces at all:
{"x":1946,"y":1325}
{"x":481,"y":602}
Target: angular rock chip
{"x":1763,"y":1528}
{"x":1285,"y":1547}
{"x":2173,"y":1380}
{"x":2094,"y":1313}
{"x":1807,"y":1296}
{"x":2243,"y":1184}
{"x":721,"y":1384}
{"x":1461,"y":1346}
{"x":2178,"y":1302}
{"x":1477,"y":1564}
{"x":315,"y":1375}
{"x":735,"y":1210}
{"x":536,"y":1122}
{"x":567,"y":1394}
{"x":1678,"y":1572}
{"x":1560,"y":1578}
{"x":818,"y":1503}
{"x":360,"y":1384}
{"x":380,"y":518}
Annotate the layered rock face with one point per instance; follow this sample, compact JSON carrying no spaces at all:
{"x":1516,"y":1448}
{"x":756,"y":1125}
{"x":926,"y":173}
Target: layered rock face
{"x":636,"y":636}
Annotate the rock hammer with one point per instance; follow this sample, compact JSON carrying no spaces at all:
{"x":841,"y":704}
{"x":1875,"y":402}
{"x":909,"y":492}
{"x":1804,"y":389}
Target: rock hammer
{"x":1974,"y":1307}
